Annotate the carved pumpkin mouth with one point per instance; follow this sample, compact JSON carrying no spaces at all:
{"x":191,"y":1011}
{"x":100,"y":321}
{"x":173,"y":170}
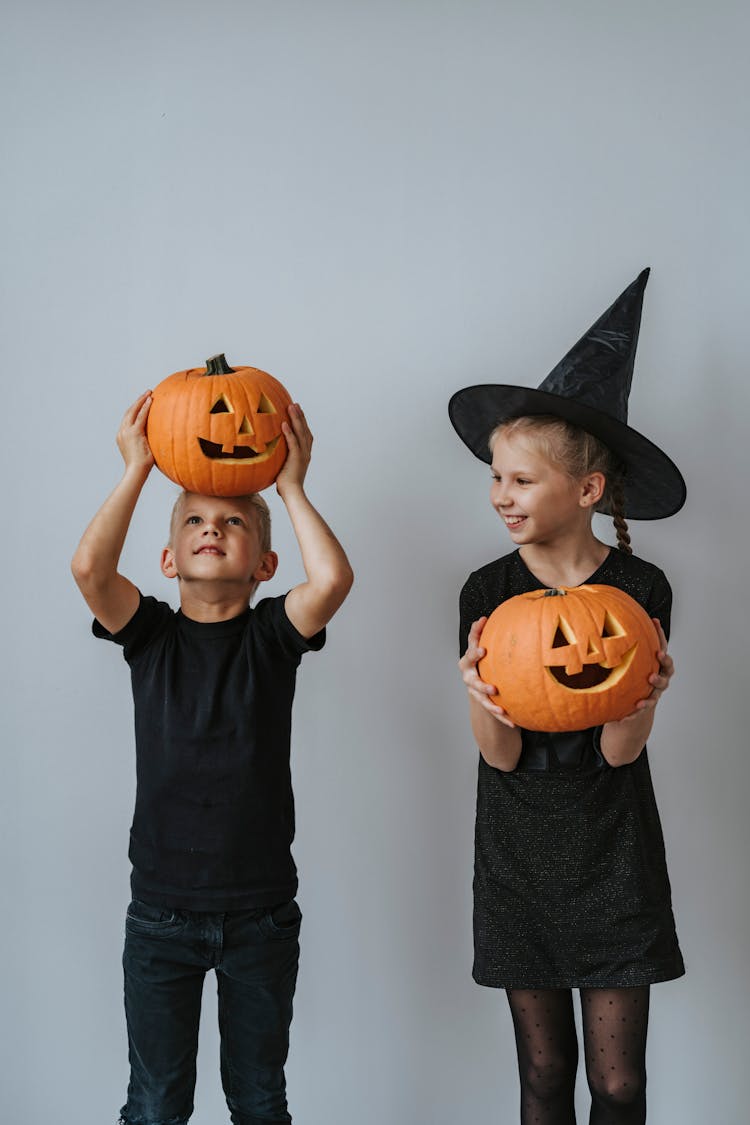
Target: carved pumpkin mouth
{"x":593,"y":677}
{"x":215,"y":452}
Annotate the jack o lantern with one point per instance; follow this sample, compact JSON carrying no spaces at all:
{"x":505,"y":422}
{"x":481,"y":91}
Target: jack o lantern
{"x":569,"y":659}
{"x":216,"y":430}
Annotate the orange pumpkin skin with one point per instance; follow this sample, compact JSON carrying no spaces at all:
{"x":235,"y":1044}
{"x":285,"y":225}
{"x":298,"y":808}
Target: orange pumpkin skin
{"x":216,"y":430}
{"x":569,"y":659}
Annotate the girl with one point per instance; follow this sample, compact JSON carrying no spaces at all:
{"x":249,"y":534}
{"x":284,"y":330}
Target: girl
{"x":571,"y":887}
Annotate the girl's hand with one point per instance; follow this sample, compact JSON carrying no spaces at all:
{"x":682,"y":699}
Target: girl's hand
{"x":659,"y":680}
{"x":299,"y":441}
{"x":131,"y":436}
{"x":623,"y":741}
{"x":477,"y":688}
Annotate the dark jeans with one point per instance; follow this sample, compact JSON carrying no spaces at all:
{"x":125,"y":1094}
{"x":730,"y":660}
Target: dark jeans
{"x":167,"y":954}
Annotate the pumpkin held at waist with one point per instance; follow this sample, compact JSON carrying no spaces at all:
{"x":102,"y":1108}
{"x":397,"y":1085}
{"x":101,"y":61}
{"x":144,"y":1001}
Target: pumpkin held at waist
{"x":216,"y":430}
{"x":570,"y":658}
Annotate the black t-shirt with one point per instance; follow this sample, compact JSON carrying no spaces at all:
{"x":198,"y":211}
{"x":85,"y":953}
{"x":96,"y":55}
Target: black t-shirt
{"x":214,"y":811}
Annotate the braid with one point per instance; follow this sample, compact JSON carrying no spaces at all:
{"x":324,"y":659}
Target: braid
{"x":617,"y":504}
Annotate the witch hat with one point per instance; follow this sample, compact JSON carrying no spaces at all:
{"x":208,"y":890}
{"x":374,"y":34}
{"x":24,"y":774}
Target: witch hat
{"x":589,"y":387}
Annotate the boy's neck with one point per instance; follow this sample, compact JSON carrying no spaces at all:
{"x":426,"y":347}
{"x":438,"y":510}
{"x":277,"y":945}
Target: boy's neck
{"x":210,"y":604}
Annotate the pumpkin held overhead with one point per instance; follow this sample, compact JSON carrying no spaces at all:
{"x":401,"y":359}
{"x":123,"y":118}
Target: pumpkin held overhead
{"x":216,"y":430}
{"x":569,"y":659}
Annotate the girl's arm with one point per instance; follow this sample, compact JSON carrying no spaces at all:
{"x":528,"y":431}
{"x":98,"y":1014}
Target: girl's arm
{"x":312,"y":604}
{"x":498,"y":738}
{"x":111,"y":597}
{"x":622,"y":742}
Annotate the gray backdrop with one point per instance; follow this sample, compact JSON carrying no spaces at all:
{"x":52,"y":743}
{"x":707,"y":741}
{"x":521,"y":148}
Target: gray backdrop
{"x":379,"y":203}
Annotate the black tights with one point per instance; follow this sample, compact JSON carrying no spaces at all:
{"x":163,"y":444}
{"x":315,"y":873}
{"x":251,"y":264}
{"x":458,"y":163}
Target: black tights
{"x":615,"y":1022}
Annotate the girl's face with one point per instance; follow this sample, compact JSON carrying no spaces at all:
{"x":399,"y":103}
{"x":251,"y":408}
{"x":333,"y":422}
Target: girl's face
{"x":538,"y":502}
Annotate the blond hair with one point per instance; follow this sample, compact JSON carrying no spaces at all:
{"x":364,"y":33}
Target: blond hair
{"x":577,"y":453}
{"x":256,"y":502}
{"x":258,"y":506}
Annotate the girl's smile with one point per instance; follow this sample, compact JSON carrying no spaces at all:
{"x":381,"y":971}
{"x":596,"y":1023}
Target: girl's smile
{"x":538,"y":502}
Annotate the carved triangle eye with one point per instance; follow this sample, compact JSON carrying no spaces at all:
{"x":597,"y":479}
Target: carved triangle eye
{"x":564,"y":635}
{"x":612,"y":628}
{"x":265,"y":406}
{"x":221,"y":406}
{"x":560,"y":640}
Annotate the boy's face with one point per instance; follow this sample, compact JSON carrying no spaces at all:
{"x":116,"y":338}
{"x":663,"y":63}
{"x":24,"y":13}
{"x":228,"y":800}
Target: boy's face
{"x":216,"y":540}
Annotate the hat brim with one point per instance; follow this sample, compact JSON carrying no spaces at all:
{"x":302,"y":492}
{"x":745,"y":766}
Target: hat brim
{"x":654,"y":487}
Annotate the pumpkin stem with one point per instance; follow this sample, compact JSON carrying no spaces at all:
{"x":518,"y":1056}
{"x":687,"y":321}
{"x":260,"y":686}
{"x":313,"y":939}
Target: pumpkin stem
{"x":217,"y":365}
{"x":554,"y":593}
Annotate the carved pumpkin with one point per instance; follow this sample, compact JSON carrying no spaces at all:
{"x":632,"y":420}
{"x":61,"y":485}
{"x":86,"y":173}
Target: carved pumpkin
{"x":569,"y":659}
{"x":216,"y":430}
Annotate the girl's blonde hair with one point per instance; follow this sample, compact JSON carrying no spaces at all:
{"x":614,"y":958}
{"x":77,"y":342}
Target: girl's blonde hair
{"x":578,"y":453}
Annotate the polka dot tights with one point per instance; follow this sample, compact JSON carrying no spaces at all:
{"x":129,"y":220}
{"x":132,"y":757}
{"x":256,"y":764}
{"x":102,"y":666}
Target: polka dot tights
{"x":615,"y":1022}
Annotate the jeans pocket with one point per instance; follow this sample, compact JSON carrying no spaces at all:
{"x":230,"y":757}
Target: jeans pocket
{"x":281,"y":921}
{"x":144,"y":918}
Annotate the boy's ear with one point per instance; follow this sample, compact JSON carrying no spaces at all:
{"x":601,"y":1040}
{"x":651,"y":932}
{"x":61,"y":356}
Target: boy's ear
{"x":266,"y":567}
{"x":592,"y":489}
{"x":168,"y":568}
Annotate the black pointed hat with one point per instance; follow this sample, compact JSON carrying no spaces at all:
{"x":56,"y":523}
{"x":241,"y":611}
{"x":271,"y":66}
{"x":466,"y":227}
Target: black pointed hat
{"x":589,"y":387}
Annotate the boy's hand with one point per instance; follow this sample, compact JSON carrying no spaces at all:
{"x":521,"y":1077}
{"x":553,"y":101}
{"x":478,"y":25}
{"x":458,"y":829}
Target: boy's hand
{"x":328,"y":575}
{"x":299,"y":442}
{"x":131,"y":436}
{"x":477,"y":688}
{"x":112,"y":598}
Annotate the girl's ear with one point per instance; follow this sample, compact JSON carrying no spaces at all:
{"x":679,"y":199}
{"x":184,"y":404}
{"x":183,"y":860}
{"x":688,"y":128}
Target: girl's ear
{"x":592,"y":489}
{"x":168,"y":568}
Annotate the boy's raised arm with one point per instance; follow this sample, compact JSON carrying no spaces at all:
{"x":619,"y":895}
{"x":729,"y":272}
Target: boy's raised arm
{"x":111,"y":597}
{"x":312,"y":604}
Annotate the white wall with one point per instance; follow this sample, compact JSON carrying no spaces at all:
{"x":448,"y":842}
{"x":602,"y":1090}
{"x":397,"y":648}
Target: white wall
{"x":379,"y":203}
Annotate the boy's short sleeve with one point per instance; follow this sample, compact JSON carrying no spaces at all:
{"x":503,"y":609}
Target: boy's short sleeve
{"x":148,"y":620}
{"x":270,"y":622}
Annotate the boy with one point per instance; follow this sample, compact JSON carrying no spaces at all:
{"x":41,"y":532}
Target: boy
{"x":213,"y":879}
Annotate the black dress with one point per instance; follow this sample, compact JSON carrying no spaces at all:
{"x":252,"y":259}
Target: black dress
{"x":570,"y":879}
